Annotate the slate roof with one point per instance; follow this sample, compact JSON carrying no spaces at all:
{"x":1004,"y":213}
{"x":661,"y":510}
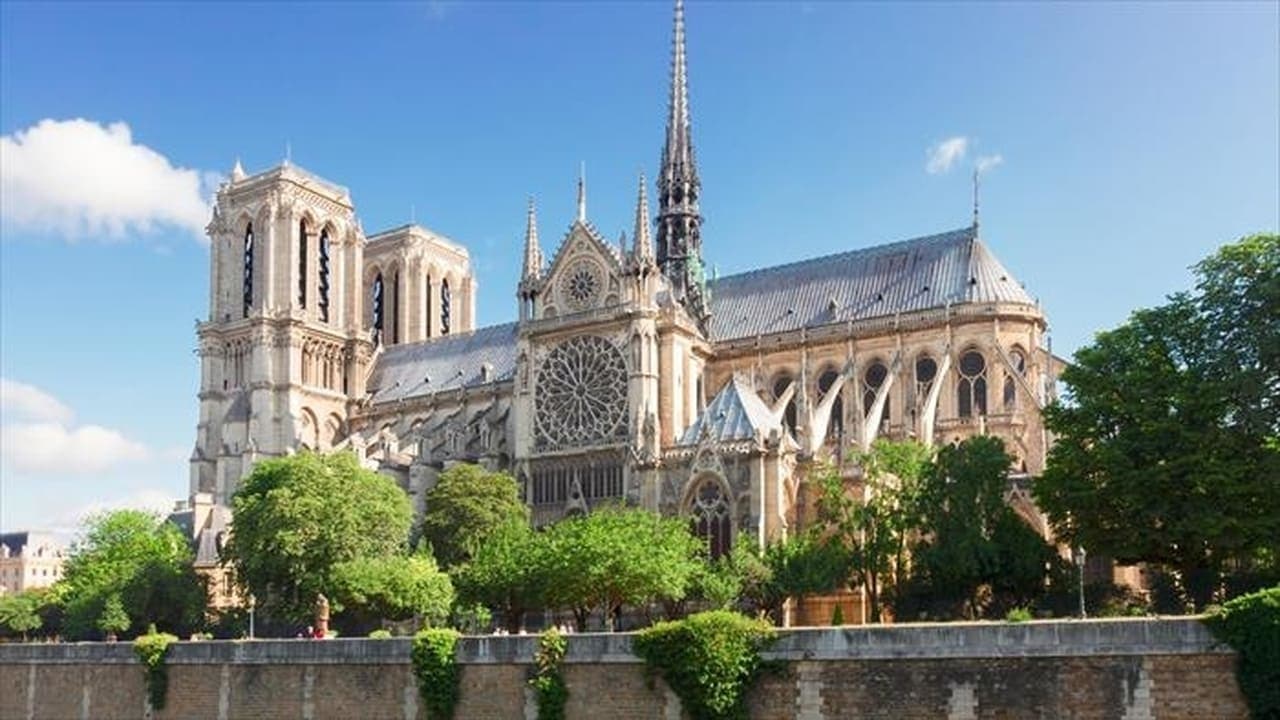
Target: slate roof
{"x":445,"y":363}
{"x":736,"y":413}
{"x":918,"y":274}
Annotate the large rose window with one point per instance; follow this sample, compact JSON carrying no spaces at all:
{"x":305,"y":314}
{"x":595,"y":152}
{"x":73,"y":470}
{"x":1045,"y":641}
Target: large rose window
{"x":582,"y":394}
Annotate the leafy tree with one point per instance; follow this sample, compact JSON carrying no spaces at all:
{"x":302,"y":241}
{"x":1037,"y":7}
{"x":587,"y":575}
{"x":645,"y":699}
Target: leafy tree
{"x":508,"y":572}
{"x":800,"y":564}
{"x":113,"y":620}
{"x":466,"y":505}
{"x":615,"y":557}
{"x":1168,"y":448}
{"x":875,"y":527}
{"x":299,"y":517}
{"x":140,"y":560}
{"x":369,"y":590}
{"x":972,"y":544}
{"x":20,"y":613}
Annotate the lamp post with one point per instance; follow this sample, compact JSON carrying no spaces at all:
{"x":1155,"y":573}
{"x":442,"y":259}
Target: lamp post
{"x":252,"y":604}
{"x":1078,"y":555}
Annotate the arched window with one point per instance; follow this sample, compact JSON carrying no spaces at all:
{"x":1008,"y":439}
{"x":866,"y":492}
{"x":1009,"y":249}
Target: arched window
{"x":710,"y":521}
{"x":872,"y":379}
{"x":780,"y":384}
{"x":248,"y":268}
{"x":428,"y":307}
{"x":835,"y":428}
{"x":323,"y":277}
{"x":445,"y":302}
{"x":393,"y":307}
{"x":926,"y":371}
{"x":378,"y":308}
{"x":971,"y":392}
{"x":302,"y":263}
{"x":1019,"y":362}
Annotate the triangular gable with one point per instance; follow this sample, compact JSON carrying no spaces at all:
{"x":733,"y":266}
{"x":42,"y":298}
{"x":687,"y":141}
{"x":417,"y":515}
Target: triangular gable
{"x":736,"y":413}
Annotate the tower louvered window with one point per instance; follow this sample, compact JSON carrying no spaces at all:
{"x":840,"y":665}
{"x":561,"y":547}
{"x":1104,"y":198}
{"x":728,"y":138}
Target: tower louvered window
{"x":971,"y":391}
{"x":248,"y":269}
{"x":378,"y":308}
{"x":444,"y":307}
{"x":322,"y":280}
{"x":427,"y":309}
{"x":302,"y":263}
{"x":393,"y":307}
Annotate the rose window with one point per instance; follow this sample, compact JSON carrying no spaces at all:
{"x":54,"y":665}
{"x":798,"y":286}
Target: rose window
{"x":581,"y":285}
{"x":582,"y":394}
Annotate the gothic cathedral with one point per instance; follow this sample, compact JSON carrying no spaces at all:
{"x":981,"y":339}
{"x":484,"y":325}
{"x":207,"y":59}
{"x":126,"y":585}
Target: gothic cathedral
{"x":629,"y":376}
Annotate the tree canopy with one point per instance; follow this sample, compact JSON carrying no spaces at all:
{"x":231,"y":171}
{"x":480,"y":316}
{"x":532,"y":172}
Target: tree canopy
{"x":465,"y":507}
{"x":297,"y":518}
{"x":509,"y":572}
{"x":398,"y":587}
{"x":1167,"y":447}
{"x":142,"y":562}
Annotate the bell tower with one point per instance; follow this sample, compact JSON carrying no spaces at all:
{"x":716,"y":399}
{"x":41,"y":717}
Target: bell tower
{"x":283,"y":352}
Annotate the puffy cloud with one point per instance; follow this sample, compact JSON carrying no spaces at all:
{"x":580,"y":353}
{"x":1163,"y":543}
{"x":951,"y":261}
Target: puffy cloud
{"x":78,"y":178}
{"x":988,"y":162}
{"x":943,"y":155}
{"x":37,"y":437}
{"x":28,"y":402}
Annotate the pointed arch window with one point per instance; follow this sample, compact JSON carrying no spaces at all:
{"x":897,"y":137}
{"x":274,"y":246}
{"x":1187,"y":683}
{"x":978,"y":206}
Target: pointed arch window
{"x":971,"y":391}
{"x":378,"y":308}
{"x":248,"y":269}
{"x":872,"y":379}
{"x":322,"y":279}
{"x":393,"y":308}
{"x":445,"y":302}
{"x":710,"y":521}
{"x":302,"y":263}
{"x":835,"y":428}
{"x":1010,"y":394}
{"x":428,"y":307}
{"x":780,"y":384}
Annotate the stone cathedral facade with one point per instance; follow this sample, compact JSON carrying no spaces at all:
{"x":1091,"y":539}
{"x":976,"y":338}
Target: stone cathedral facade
{"x":628,"y":376}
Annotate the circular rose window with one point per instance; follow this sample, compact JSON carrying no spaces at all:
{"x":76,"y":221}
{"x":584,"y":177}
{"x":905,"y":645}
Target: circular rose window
{"x":581,"y":285}
{"x":581,"y":394}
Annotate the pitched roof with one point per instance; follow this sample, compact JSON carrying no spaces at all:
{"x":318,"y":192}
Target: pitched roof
{"x":926,"y":272}
{"x":736,"y":413}
{"x":444,"y":363}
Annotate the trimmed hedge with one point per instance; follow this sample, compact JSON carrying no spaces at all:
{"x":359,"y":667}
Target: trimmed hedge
{"x":1251,"y":625}
{"x":436,"y":668}
{"x":710,"y":660}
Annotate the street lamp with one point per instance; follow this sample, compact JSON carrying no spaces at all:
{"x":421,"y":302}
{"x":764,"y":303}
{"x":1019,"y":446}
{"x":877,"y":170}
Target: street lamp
{"x":252,"y":604}
{"x":1078,"y":555}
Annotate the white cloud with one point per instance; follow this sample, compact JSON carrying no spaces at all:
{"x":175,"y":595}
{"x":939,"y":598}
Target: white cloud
{"x":77,"y":178}
{"x":988,"y":162}
{"x":943,"y":155}
{"x":38,"y":437}
{"x":70,"y":523}
{"x":28,"y":402}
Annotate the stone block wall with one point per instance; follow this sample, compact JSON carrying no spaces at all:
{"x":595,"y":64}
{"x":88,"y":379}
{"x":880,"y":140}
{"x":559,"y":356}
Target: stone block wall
{"x":1124,"y":669}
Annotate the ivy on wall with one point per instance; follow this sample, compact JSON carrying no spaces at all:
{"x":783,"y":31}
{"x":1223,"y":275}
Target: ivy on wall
{"x":548,"y":681}
{"x":436,"y":669}
{"x":151,"y":650}
{"x":1251,"y":625}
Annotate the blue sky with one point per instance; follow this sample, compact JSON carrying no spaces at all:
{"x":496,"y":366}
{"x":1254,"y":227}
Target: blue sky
{"x":1133,"y":139}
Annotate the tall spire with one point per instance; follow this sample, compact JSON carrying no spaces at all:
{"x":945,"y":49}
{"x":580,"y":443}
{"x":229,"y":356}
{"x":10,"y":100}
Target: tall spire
{"x":582,"y":193}
{"x":679,"y":224}
{"x":977,"y":179}
{"x":532,"y":253}
{"x":644,"y":243}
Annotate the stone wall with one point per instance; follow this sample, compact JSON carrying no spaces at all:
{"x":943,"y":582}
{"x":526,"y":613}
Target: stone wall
{"x":1122,"y":669}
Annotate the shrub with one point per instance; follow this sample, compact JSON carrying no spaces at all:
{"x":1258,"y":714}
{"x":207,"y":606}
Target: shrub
{"x":837,"y":616}
{"x":710,"y":660}
{"x":1251,"y":625}
{"x":1017,"y":615}
{"x":151,"y":650}
{"x":437,"y":671}
{"x":380,"y":634}
{"x":548,"y":681}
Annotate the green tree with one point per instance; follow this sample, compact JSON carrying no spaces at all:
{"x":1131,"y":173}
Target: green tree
{"x":112,"y":619}
{"x":507,"y":573}
{"x":466,"y":505}
{"x":875,"y":527}
{"x":1167,"y":448}
{"x":20,"y":613}
{"x":298,"y":517}
{"x":139,"y":559}
{"x":370,"y":590}
{"x":615,"y":557}
{"x":972,"y":544}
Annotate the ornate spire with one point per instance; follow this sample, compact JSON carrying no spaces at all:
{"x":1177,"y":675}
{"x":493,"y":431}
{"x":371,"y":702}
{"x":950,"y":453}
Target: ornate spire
{"x":582,"y":193}
{"x":237,"y":172}
{"x":643,"y":242}
{"x":679,"y":224}
{"x":532,"y":253}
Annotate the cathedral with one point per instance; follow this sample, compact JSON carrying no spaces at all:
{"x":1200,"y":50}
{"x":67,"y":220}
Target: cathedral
{"x":628,"y":376}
